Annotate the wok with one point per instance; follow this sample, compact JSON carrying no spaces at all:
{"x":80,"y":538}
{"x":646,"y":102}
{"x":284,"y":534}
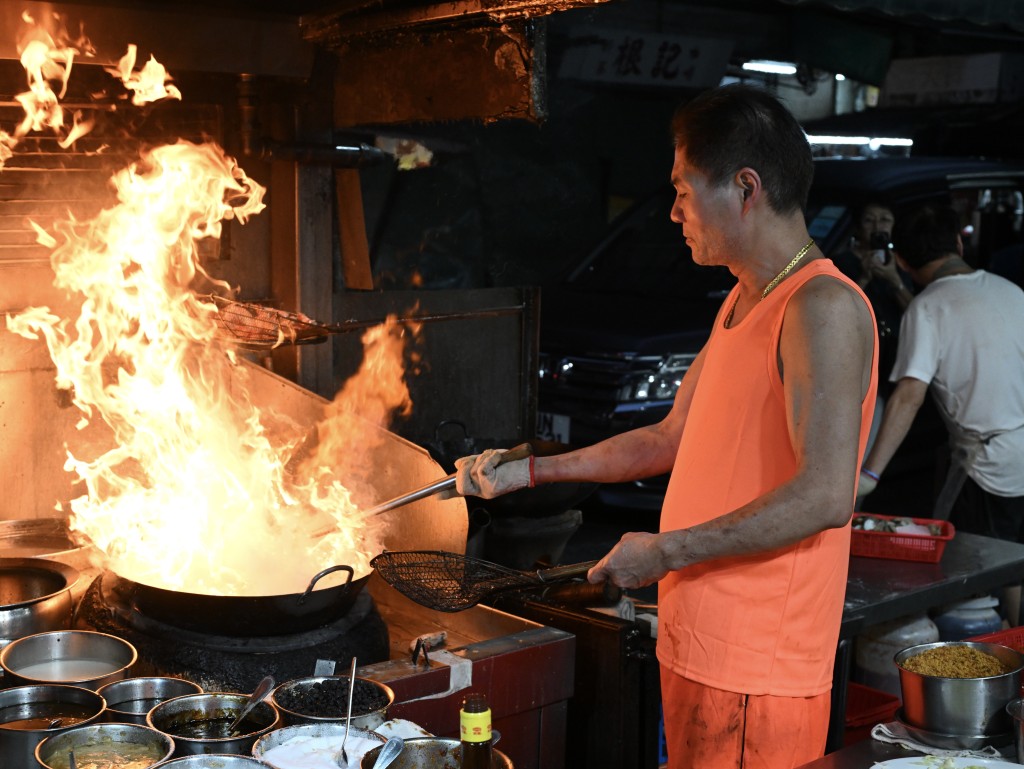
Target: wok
{"x":245,"y":615}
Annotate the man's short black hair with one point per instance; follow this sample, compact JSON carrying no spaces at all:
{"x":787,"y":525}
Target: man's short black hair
{"x":925,"y":234}
{"x":735,"y":126}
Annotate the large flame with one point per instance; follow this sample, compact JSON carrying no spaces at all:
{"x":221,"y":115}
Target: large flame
{"x":194,"y":494}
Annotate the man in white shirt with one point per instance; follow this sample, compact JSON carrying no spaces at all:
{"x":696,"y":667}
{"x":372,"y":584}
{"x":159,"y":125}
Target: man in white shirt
{"x":963,"y":337}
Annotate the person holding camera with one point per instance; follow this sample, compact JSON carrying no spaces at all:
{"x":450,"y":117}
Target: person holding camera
{"x":961,"y":341}
{"x":869,"y":262}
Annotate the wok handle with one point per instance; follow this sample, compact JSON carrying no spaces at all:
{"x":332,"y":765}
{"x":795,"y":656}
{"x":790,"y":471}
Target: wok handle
{"x":556,"y":573}
{"x":320,"y":575}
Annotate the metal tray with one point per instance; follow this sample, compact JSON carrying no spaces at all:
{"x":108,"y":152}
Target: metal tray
{"x":954,"y":741}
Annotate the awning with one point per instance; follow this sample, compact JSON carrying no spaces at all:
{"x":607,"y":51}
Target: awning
{"x":1003,"y":13}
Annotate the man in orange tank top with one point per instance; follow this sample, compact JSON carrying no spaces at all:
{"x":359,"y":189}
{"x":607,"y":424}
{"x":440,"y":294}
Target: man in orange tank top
{"x":763,"y":443}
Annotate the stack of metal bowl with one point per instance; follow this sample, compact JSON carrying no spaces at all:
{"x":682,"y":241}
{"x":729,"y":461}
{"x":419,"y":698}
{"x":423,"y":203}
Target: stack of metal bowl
{"x":960,"y":712}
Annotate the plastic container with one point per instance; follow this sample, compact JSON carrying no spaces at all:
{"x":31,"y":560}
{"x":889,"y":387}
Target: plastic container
{"x":877,"y":645}
{"x":902,"y":547}
{"x":866,"y":707}
{"x":964,"y":619}
{"x":1012,"y":637}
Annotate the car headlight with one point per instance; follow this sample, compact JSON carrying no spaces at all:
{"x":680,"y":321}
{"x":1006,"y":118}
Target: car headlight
{"x":659,"y":384}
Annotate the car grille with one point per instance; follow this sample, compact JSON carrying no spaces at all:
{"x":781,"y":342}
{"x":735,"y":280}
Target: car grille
{"x":593,"y":378}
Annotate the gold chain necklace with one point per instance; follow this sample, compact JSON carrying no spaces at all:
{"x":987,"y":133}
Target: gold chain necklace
{"x":774,"y":281}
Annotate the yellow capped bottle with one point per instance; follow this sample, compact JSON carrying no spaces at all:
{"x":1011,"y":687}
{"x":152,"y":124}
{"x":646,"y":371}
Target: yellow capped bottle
{"x":475,"y":729}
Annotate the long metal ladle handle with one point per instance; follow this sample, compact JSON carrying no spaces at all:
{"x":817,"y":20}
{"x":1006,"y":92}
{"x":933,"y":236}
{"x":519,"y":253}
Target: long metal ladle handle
{"x":522,"y":451}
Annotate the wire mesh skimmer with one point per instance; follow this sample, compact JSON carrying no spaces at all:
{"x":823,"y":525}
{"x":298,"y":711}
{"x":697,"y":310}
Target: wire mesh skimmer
{"x":451,"y":582}
{"x":255,"y":326}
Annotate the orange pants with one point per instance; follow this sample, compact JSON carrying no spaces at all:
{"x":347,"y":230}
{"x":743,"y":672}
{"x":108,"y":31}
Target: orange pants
{"x":708,"y":728}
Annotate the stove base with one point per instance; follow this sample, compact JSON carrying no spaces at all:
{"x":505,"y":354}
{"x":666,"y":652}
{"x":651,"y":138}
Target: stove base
{"x":228,"y":664}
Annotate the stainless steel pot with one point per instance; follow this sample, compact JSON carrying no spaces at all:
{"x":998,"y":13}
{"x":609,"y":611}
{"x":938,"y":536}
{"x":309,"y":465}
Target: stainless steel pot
{"x":35,"y":596}
{"x":130,"y":699}
{"x":960,"y":706}
{"x":360,"y":720}
{"x":196,"y":722}
{"x":432,"y":753}
{"x":28,"y":711}
{"x":214,"y":761}
{"x":359,"y":741}
{"x":76,"y":657}
{"x":52,"y":753}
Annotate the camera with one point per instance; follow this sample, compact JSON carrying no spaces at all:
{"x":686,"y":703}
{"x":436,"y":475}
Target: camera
{"x":879,"y":240}
{"x":879,"y":244}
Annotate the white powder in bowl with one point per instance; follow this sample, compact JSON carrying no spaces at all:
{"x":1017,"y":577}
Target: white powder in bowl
{"x":317,"y":752}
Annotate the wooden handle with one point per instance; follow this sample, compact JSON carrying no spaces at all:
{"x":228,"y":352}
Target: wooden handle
{"x":522,"y":451}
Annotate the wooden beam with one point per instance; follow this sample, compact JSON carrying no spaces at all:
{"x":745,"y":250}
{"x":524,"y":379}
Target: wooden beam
{"x":355,"y":248}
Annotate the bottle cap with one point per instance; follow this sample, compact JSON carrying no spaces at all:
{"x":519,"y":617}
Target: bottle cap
{"x":475,"y":719}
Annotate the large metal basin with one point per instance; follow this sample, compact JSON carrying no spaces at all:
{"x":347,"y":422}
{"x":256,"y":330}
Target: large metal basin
{"x":960,"y":706}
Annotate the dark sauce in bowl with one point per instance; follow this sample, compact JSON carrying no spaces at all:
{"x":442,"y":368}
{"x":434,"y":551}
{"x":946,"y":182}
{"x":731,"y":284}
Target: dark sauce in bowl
{"x":41,"y":715}
{"x":212,"y":728}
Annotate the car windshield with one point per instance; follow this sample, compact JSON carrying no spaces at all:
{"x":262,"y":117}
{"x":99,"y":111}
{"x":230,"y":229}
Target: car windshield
{"x":646,"y":255}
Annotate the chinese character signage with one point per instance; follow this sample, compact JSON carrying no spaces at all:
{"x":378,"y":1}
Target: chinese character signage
{"x":644,"y":58}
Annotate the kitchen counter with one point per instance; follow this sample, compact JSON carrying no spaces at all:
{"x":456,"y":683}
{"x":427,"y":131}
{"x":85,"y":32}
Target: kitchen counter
{"x":881,"y":589}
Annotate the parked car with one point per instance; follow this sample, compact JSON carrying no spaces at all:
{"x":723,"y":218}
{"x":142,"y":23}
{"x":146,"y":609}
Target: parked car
{"x":618,"y":333}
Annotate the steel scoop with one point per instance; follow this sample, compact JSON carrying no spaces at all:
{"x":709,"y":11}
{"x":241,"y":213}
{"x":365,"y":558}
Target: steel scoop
{"x":259,"y":694}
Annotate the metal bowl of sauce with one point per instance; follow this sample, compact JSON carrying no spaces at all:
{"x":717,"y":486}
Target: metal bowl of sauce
{"x":31,"y":714}
{"x":198,"y":723}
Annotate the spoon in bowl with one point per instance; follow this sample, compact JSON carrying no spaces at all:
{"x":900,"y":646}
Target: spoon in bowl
{"x":259,"y":694}
{"x":341,"y":758}
{"x":389,"y":752}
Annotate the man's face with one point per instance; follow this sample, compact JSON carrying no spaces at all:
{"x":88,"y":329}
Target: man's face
{"x":703,"y":211}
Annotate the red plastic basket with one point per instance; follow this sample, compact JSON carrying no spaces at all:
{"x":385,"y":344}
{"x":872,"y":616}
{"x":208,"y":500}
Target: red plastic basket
{"x":901,"y":547}
{"x":866,"y":707}
{"x":1012,"y":637}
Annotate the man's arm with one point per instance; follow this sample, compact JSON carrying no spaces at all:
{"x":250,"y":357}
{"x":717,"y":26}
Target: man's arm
{"x":899,"y":414}
{"x":640,"y":453}
{"x":826,"y":350}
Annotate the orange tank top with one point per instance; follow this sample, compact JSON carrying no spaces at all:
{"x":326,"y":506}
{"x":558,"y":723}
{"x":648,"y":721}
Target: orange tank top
{"x":766,"y":623}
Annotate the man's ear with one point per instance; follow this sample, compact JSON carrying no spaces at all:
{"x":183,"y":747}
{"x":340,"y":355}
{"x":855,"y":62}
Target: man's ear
{"x":748,"y":181}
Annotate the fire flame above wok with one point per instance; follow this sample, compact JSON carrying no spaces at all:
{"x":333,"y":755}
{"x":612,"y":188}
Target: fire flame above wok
{"x":189,"y":486}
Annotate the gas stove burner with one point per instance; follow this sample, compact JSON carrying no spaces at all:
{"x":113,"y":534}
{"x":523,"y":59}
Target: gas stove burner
{"x":226,"y":663}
